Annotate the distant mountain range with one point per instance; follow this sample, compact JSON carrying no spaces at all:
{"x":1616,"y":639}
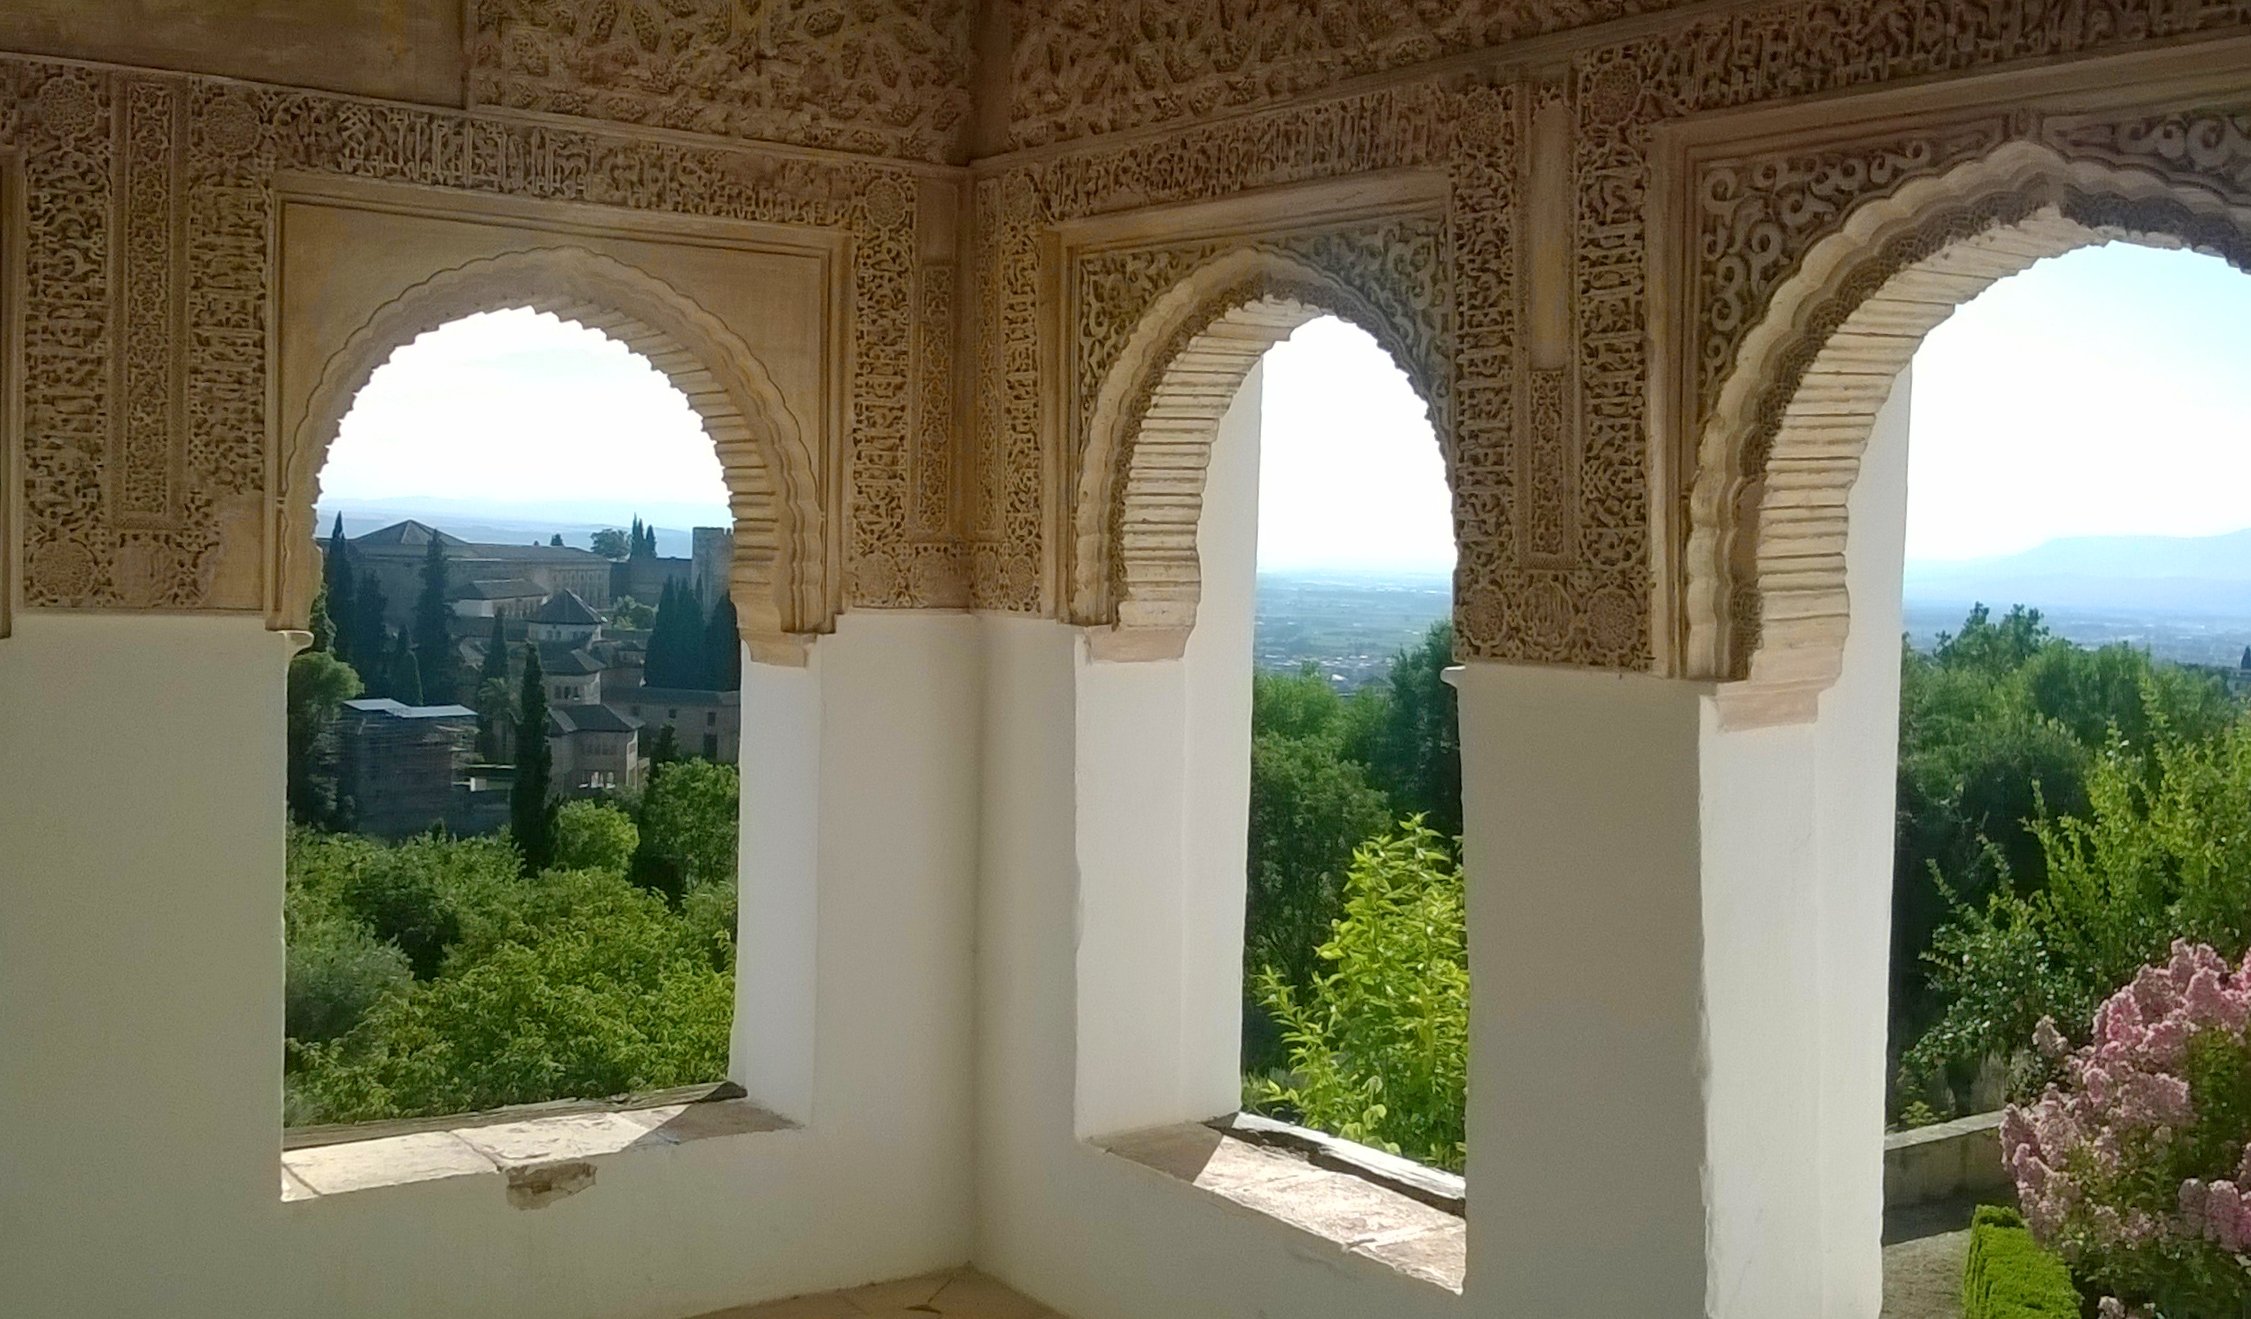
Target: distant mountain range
{"x":486,"y":523}
{"x":2196,"y":575}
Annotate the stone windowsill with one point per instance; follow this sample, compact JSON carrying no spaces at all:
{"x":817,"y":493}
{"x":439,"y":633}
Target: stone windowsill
{"x":1345,"y":1194}
{"x":538,"y":1159}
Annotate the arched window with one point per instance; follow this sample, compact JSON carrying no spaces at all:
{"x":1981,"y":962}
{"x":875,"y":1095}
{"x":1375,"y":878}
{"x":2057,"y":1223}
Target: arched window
{"x":506,"y":886}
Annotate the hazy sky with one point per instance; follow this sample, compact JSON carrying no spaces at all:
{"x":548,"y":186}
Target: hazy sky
{"x":2106,"y":391}
{"x":521,"y":409}
{"x":2101,"y":392}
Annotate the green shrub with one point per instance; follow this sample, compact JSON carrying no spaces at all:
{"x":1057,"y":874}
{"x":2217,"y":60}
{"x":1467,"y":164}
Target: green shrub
{"x":1379,"y":1046}
{"x":592,"y":836}
{"x":2009,"y":1276}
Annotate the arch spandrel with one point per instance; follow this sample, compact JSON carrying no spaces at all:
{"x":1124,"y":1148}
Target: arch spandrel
{"x":1133,"y":567}
{"x":779,"y":576}
{"x":1780,"y":439}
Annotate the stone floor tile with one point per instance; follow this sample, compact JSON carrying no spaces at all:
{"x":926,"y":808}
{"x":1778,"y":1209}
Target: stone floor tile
{"x":827,"y":1305}
{"x":886,"y":1298}
{"x":565,"y":1136}
{"x":973,"y":1295}
{"x":362,"y":1164}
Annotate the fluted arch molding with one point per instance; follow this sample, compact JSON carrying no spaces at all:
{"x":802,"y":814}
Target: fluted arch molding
{"x":1763,"y":591}
{"x":779,"y":580}
{"x":1133,"y":568}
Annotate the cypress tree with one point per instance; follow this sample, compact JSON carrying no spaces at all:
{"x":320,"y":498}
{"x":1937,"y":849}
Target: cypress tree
{"x":676,"y":639}
{"x":492,"y":677}
{"x":663,"y":665}
{"x":723,"y":648}
{"x":433,"y":642}
{"x":531,"y":817}
{"x":320,"y":624}
{"x":369,"y":637}
{"x":343,"y":610}
{"x":406,"y":674}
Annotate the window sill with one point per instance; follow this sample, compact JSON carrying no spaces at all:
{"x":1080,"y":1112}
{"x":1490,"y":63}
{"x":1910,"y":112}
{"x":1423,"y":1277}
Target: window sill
{"x":541,"y":1158}
{"x":1343,"y":1193}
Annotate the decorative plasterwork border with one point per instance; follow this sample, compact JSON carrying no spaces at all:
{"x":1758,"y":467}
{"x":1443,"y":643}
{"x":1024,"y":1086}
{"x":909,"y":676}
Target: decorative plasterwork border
{"x":1810,"y":263}
{"x":881,"y":79}
{"x":1027,"y":454}
{"x":1146,"y":409}
{"x":13,"y":224}
{"x":779,"y":581}
{"x":144,"y":465}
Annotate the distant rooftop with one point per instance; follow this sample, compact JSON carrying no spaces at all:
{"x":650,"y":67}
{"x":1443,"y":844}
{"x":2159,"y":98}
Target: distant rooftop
{"x":565,"y":608}
{"x":384,"y":705}
{"x":589,"y":719}
{"x":678,"y":696}
{"x":499,"y":588}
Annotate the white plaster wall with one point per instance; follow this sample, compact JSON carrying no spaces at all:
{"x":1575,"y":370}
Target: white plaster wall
{"x":1581,"y":837}
{"x":1109,"y":956}
{"x":1163,"y":802}
{"x":140,"y":1016}
{"x":1857,"y":750}
{"x":1797,"y":827}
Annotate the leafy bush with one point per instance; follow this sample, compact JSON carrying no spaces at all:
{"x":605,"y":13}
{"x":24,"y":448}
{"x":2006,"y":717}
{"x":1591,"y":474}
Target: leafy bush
{"x":592,"y":836}
{"x":690,"y":821}
{"x":336,"y":972}
{"x":1379,"y":1045}
{"x":2163,"y":851}
{"x":2136,"y":1168}
{"x":615,"y":995}
{"x":2008,"y":1275}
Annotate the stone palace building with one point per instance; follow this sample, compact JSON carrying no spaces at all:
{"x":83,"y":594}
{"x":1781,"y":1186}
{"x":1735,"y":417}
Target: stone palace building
{"x":970,"y":296}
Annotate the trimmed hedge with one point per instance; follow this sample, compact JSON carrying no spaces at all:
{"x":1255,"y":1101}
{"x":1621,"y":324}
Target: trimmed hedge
{"x":2009,"y":1276}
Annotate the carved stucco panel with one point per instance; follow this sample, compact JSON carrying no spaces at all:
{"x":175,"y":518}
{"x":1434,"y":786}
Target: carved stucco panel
{"x":881,"y":79}
{"x":1980,"y":197}
{"x":1449,"y":295}
{"x":1098,"y":66}
{"x":144,"y":395}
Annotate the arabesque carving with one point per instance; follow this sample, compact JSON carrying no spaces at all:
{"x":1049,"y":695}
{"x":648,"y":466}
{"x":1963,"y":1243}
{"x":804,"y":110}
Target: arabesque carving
{"x":773,"y":486}
{"x":886,"y":79}
{"x":144,"y":463}
{"x":1149,"y":405}
{"x":1797,"y":356}
{"x":1412,"y":279}
{"x":1097,"y":66}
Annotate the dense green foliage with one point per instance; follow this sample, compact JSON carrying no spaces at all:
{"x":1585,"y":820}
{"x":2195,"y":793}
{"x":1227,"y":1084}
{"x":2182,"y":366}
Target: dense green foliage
{"x":1349,"y":1027}
{"x":1328,"y":772}
{"x":439,"y":975}
{"x":2030,"y":873}
{"x":2160,"y":850}
{"x":319,"y":684}
{"x":2009,"y":1276}
{"x":1378,"y":1047}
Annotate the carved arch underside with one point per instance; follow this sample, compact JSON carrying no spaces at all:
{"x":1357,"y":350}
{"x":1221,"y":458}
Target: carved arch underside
{"x":1764,"y":595}
{"x":1134,"y":568}
{"x":778,"y":582}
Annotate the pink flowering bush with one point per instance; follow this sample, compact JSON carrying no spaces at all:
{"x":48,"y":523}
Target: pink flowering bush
{"x":2135,"y":1167}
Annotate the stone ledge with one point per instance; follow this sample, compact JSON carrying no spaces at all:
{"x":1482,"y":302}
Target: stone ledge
{"x":538,"y":1160}
{"x":1949,"y":1159}
{"x":1358,"y":1214}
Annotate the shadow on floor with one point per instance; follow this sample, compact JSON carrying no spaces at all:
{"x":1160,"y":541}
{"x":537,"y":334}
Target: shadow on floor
{"x":1924,"y":1246}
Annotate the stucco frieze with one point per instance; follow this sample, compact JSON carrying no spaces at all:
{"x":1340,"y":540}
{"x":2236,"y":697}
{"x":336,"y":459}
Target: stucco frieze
{"x":149,"y":202}
{"x":889,"y":79}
